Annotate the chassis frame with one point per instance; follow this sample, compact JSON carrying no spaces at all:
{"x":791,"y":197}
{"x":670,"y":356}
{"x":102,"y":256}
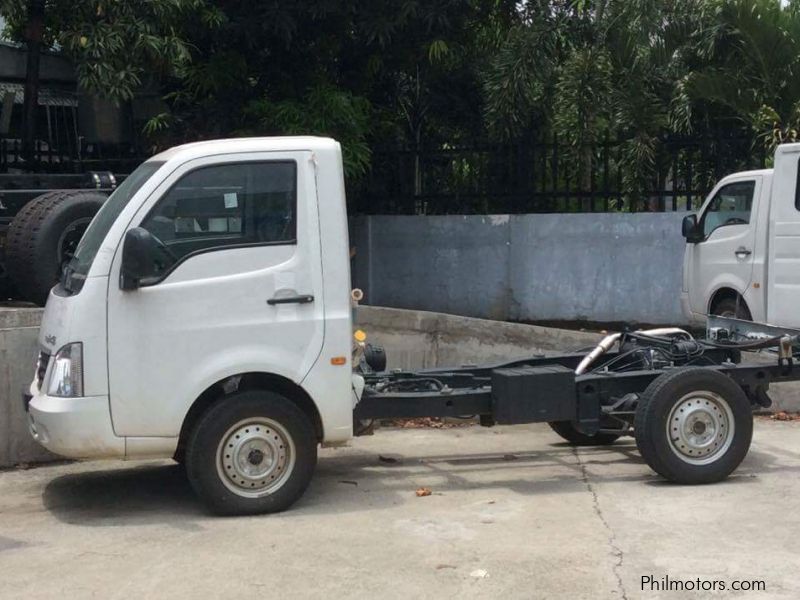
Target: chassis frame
{"x":601,"y":401}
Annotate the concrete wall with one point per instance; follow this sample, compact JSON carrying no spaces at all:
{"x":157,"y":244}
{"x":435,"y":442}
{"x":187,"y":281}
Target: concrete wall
{"x":18,"y":349}
{"x":596,"y":267}
{"x":417,"y":340}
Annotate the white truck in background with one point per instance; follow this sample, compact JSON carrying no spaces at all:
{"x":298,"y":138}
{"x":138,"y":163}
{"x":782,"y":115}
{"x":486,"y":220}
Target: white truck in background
{"x":742,"y":256}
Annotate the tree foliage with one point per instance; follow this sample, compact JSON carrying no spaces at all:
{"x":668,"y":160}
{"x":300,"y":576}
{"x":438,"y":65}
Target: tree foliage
{"x":584,"y":70}
{"x":440,"y":73}
{"x":371,"y":72}
{"x":751,"y":68}
{"x":323,"y":110}
{"x":117,"y":45}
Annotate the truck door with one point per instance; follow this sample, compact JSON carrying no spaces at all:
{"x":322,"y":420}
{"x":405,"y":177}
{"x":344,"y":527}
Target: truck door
{"x":725,"y":256}
{"x":239,"y":290}
{"x":783,"y":272}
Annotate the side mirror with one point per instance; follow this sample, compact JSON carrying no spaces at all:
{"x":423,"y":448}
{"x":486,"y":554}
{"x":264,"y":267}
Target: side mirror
{"x":138,"y":259}
{"x":690,"y":229}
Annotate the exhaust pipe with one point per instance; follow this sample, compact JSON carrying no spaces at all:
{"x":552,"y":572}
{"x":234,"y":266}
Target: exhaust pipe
{"x":608,"y":342}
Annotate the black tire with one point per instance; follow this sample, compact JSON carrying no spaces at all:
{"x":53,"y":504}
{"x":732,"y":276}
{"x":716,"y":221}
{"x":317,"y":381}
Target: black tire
{"x":277,"y":480}
{"x":675,"y":398}
{"x":567,"y":431}
{"x":731,"y":307}
{"x":41,"y":237}
{"x":6,"y":285}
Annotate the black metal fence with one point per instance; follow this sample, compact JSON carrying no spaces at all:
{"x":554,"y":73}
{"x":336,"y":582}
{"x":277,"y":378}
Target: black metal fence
{"x":78,"y":158}
{"x":549,"y":176}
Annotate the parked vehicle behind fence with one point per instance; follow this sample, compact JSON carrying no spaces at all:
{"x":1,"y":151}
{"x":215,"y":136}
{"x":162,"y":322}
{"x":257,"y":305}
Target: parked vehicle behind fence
{"x":42,"y":219}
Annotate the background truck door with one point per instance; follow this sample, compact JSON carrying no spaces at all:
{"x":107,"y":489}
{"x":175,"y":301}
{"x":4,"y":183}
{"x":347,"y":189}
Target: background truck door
{"x":239,"y":232}
{"x":783,"y":273}
{"x":725,"y":257}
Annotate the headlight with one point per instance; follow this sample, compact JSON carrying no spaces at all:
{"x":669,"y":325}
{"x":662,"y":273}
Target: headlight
{"x":66,"y":374}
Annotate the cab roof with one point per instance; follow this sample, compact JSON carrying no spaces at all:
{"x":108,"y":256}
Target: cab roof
{"x":751,"y":173}
{"x":247,"y":144}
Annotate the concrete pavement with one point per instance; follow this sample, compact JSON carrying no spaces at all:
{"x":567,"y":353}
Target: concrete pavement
{"x":513,"y":512}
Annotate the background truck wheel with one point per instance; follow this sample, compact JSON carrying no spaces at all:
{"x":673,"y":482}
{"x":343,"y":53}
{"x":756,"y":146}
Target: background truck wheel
{"x":693,"y":425}
{"x":43,"y":236}
{"x":6,"y":286}
{"x":252,"y":452}
{"x":731,"y":307}
{"x":567,"y":431}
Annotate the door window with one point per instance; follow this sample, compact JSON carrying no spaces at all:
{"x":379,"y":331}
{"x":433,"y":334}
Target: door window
{"x":216,"y":207}
{"x":731,"y":205}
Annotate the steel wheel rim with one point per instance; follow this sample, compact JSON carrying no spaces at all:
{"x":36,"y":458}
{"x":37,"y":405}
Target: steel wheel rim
{"x":70,"y":238}
{"x":255,"y":457}
{"x":700,"y":427}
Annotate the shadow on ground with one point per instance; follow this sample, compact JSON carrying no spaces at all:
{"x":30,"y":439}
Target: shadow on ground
{"x":132,"y":495}
{"x":161,"y":493}
{"x":362,"y":480}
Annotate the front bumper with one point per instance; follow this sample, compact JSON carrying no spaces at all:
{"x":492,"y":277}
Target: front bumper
{"x":72,"y":427}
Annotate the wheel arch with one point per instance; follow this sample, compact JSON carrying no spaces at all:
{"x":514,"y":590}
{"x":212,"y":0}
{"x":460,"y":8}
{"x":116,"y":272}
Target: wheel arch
{"x":217,"y":392}
{"x":725,"y":293}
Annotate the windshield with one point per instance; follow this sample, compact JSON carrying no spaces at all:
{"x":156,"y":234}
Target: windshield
{"x":78,"y":267}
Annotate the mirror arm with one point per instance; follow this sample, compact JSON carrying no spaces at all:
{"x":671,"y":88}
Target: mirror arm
{"x":128,"y":282}
{"x":147,"y":281}
{"x":697,"y":233}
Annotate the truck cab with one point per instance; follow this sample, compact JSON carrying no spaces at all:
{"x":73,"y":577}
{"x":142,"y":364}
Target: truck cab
{"x":743,"y":246}
{"x":217,"y":271}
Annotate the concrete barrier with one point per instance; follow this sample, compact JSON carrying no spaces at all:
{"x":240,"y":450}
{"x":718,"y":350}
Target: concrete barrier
{"x":416,"y":339}
{"x":18,"y":348}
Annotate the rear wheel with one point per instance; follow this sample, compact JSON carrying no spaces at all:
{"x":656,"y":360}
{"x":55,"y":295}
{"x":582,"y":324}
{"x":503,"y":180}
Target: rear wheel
{"x":252,"y":452}
{"x":693,"y":425}
{"x":568,"y":431}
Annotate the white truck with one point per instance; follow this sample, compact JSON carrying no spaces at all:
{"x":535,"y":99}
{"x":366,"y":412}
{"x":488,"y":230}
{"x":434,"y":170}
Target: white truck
{"x":206,"y":316}
{"x":743,"y":247}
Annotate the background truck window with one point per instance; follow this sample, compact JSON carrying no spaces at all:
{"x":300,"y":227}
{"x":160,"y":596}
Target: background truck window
{"x":731,"y":205}
{"x":797,"y":187}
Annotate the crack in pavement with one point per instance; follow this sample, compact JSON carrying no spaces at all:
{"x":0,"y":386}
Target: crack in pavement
{"x":616,"y":551}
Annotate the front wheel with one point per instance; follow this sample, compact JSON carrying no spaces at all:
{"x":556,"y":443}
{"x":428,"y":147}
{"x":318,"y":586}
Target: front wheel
{"x":251,"y":452}
{"x":693,"y":425}
{"x":733,"y":308}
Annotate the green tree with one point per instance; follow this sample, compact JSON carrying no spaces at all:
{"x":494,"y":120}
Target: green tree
{"x":584,"y":70}
{"x":751,"y":73}
{"x":372,"y":72}
{"x":116,"y":45}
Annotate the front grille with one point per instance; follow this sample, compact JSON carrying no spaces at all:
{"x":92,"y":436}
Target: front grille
{"x":41,"y":368}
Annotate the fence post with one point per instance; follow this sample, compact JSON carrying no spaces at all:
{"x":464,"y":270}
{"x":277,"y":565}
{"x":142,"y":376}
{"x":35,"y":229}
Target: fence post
{"x":606,"y":152}
{"x":554,"y":169}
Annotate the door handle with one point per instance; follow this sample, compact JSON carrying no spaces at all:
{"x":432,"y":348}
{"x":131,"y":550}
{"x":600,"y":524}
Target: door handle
{"x":301,"y":299}
{"x":741,"y":252}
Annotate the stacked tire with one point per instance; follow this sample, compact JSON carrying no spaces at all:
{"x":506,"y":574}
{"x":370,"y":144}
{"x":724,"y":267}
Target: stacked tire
{"x":42,"y":238}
